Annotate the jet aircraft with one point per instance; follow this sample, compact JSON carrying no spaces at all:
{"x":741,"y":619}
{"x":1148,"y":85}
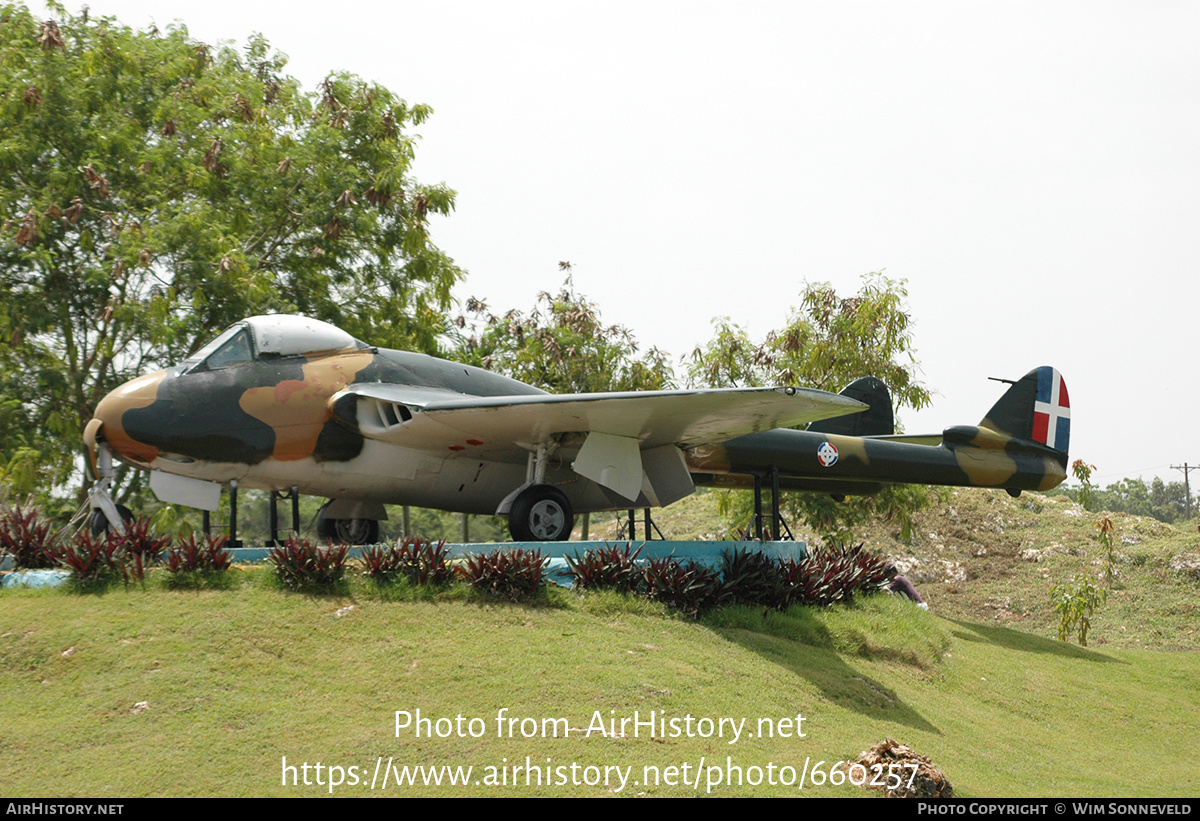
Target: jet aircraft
{"x":285,"y":402}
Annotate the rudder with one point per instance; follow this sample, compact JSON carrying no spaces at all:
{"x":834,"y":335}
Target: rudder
{"x":1035,"y":408}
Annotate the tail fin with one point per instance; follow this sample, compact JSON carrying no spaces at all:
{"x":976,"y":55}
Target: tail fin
{"x":1036,"y":408}
{"x":877,"y":420}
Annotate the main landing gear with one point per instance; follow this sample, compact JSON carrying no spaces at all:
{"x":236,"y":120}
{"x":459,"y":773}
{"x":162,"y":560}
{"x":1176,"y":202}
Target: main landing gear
{"x":346,"y":531}
{"x":541,"y":514}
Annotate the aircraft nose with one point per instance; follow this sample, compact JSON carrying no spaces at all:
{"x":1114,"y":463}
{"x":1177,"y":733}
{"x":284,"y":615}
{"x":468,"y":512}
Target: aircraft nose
{"x":130,"y":444}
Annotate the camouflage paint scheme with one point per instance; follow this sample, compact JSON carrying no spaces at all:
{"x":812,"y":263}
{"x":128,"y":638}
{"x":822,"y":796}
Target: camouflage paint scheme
{"x":269,"y":424}
{"x":1008,"y":449}
{"x":971,"y":457}
{"x":309,"y":420}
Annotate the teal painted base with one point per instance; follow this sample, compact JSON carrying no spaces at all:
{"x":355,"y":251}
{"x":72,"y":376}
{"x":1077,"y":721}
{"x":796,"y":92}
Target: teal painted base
{"x":705,"y":553}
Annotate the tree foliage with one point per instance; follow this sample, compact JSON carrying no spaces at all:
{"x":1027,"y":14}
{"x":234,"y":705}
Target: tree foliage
{"x":1165,"y":501}
{"x":562,"y":345}
{"x":154,"y":189}
{"x":828,"y":342}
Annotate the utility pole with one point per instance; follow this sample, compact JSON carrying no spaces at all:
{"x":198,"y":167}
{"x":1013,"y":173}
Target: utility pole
{"x":1187,"y":488}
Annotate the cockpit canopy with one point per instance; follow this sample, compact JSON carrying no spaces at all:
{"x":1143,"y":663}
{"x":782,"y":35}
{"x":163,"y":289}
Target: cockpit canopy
{"x":270,"y":337}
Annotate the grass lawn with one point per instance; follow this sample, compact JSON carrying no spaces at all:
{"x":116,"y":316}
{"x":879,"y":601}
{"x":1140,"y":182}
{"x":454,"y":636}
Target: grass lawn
{"x":153,"y":692}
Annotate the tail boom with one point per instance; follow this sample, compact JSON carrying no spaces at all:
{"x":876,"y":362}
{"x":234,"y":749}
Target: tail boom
{"x":1020,"y":445}
{"x":967,"y":457}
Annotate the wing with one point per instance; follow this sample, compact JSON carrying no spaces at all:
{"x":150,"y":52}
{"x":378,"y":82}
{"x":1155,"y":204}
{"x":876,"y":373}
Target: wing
{"x":507,"y":428}
{"x":391,"y":413}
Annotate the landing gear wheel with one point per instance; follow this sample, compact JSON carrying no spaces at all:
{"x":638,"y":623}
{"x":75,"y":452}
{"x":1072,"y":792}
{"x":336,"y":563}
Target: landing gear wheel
{"x":347,"y":531}
{"x":541,"y":514}
{"x":98,"y":523}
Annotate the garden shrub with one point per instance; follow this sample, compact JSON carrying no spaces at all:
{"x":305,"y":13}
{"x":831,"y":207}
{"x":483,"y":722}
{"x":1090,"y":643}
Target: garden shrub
{"x":198,"y":563}
{"x":690,"y":588}
{"x":751,"y":577}
{"x":516,"y":575}
{"x":419,"y":561}
{"x":607,"y":568}
{"x":26,"y":537}
{"x":300,"y":564}
{"x":95,"y":561}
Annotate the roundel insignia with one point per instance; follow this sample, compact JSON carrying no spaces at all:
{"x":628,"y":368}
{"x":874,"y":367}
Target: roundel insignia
{"x":827,"y":455}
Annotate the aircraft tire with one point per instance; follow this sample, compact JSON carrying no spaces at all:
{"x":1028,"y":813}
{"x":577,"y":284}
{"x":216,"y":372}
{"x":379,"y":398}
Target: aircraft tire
{"x":98,"y":523}
{"x":347,"y":531}
{"x":541,"y":514}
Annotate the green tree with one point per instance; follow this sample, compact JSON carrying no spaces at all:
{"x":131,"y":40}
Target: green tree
{"x":1168,"y":500}
{"x":1165,"y":501}
{"x":828,"y":342}
{"x":562,"y":345}
{"x":154,"y":189}
{"x":1127,"y":496}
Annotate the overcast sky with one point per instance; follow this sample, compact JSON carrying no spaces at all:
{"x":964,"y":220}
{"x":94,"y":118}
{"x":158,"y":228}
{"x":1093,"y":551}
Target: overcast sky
{"x":1029,"y":168}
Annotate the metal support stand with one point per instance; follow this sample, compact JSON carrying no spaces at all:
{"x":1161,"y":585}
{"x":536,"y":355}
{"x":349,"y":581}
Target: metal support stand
{"x":778,"y":526}
{"x":649,"y":525}
{"x":293,"y":494}
{"x":776,"y":517}
{"x":233,"y":539}
{"x":649,"y":528}
{"x":758,"y":508}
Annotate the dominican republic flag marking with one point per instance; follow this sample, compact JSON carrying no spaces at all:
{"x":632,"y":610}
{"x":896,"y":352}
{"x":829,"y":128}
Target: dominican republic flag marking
{"x":1052,"y":410}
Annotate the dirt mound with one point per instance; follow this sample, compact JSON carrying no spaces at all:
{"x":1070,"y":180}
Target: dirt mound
{"x":891,"y":764}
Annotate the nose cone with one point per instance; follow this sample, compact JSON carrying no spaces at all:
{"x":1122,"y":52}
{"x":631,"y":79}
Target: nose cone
{"x":130,"y":445}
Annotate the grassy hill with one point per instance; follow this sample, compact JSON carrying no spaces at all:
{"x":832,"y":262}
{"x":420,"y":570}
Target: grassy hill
{"x":982,"y":556}
{"x":148,"y":691}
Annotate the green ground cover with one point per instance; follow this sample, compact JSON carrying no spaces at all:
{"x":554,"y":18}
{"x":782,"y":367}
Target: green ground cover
{"x":150,"y":691}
